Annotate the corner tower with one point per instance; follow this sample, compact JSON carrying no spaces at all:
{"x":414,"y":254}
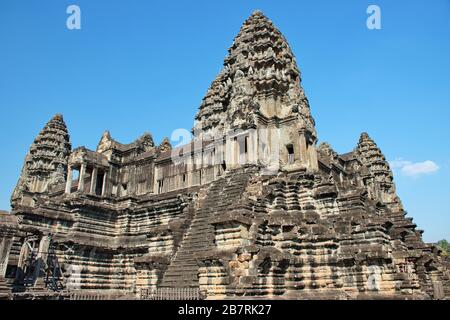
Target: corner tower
{"x":45,"y":163}
{"x":260,"y":88}
{"x":379,"y":179}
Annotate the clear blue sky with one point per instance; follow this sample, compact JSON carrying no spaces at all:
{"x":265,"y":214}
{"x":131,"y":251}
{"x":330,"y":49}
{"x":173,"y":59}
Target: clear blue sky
{"x":139,"y":66}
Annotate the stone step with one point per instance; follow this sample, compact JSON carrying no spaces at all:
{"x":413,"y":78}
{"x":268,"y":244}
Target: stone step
{"x":221,"y":196}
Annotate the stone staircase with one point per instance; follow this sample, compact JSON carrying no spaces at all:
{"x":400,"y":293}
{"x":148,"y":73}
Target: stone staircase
{"x":220,"y":197}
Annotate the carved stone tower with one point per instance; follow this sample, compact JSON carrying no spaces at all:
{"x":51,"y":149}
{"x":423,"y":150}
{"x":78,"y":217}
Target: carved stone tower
{"x":259,"y":93}
{"x":45,"y":163}
{"x":379,"y":179}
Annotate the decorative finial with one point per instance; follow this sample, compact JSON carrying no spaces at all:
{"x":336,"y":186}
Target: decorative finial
{"x":165,"y":145}
{"x":147,"y":139}
{"x":107,"y":134}
{"x":58,"y":117}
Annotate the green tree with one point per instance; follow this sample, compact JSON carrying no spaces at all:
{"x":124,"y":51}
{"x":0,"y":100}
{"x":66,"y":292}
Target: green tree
{"x":445,"y":246}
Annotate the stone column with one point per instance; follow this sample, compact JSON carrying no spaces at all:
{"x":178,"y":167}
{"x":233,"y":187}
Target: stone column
{"x":274,"y":150}
{"x":202,"y":169}
{"x":69,"y":180}
{"x":253,"y":146}
{"x":8,"y":228}
{"x":216,"y":161}
{"x":313,"y":157}
{"x":41,"y":256}
{"x":93,"y":180}
{"x":296,"y":146}
{"x":198,"y":167}
{"x":5,"y":246}
{"x":105,"y":182}
{"x":3,"y":255}
{"x":222,"y":154}
{"x":234,"y":160}
{"x":228,"y":152}
{"x":303,"y":148}
{"x":24,"y":252}
{"x":190,"y":168}
{"x":81,"y":177}
{"x":155,"y":179}
{"x":238,"y":143}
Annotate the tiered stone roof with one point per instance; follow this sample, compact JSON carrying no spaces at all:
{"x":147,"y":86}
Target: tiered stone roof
{"x":260,"y":66}
{"x":371,"y":156}
{"x":47,"y":158}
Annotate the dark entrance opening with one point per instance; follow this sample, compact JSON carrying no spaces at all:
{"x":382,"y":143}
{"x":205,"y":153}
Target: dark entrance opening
{"x":99,"y":184}
{"x":290,"y":150}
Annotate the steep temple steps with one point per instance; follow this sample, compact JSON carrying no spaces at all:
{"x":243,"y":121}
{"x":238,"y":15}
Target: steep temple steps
{"x":221,"y":195}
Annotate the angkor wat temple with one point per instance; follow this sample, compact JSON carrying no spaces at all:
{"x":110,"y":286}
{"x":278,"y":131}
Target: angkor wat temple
{"x":251,"y":207}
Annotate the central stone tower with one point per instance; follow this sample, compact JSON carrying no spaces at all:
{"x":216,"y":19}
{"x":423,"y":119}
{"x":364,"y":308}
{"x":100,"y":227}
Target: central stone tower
{"x":258,"y":96}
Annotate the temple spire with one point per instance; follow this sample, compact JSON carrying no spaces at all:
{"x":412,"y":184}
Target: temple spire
{"x":380,"y":172}
{"x":260,"y":76}
{"x":46,"y":160}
